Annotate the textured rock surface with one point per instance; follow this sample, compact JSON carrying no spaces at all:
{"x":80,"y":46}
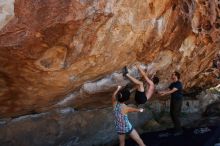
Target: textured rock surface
{"x":53,"y":52}
{"x":67,"y":127}
{"x":64,"y":127}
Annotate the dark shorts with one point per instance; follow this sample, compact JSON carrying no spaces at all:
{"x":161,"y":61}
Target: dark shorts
{"x":140,"y":97}
{"x":127,"y":133}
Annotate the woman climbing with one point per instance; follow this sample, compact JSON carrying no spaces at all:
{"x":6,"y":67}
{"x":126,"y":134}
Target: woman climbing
{"x":142,"y":94}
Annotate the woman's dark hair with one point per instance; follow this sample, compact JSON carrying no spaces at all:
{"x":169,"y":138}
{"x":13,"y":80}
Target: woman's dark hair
{"x":177,"y":74}
{"x":123,"y":95}
{"x":155,"y":80}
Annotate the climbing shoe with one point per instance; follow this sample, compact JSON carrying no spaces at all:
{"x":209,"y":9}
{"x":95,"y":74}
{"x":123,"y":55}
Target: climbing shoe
{"x":125,"y":71}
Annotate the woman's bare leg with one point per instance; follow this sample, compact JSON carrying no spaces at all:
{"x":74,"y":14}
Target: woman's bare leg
{"x":150,"y":90}
{"x":122,"y":139}
{"x":137,"y":82}
{"x":134,"y":88}
{"x":135,"y":136}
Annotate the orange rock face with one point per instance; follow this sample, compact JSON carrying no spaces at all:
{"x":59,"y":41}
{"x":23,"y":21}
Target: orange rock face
{"x":53,"y":52}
